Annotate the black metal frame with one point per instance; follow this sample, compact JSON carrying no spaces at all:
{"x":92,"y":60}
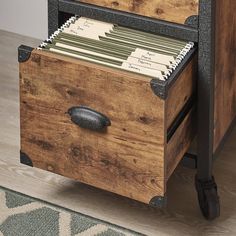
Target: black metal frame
{"x":206,"y":84}
{"x":198,"y":29}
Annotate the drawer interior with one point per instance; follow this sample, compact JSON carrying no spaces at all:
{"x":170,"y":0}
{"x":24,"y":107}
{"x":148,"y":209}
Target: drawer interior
{"x":171,"y":10}
{"x":120,"y":47}
{"x":133,"y":156}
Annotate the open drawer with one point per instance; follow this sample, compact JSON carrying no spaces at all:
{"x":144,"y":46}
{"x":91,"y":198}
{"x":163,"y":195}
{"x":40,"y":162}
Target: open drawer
{"x":105,"y":127}
{"x":176,"y":11}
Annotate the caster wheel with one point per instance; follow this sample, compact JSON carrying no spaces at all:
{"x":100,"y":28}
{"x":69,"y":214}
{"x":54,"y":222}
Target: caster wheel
{"x":208,"y":198}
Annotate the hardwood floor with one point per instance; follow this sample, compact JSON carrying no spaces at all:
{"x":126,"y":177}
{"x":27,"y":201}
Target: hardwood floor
{"x":182,"y":215}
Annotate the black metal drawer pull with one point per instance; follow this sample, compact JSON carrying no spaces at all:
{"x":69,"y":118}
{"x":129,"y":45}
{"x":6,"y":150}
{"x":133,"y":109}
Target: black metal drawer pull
{"x":87,"y":118}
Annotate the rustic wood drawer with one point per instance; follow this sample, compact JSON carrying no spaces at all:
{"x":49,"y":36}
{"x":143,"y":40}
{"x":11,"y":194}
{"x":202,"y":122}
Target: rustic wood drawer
{"x":151,"y":123}
{"x":170,"y":10}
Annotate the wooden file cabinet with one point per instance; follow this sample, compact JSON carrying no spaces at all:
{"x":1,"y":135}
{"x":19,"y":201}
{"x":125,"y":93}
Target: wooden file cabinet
{"x":148,"y":124}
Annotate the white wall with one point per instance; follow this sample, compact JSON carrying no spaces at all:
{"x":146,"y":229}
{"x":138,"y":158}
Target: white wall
{"x":27,"y":17}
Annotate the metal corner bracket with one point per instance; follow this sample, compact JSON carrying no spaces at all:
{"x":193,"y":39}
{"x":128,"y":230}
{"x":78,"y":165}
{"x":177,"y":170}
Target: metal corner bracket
{"x":159,"y":88}
{"x":158,"y":201}
{"x":24,"y":159}
{"x":192,"y":21}
{"x":24,"y":53}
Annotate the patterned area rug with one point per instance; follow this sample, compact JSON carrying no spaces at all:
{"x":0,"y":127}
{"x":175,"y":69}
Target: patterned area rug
{"x":21,"y":215}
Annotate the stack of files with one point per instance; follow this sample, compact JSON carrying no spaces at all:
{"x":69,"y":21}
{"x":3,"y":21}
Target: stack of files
{"x":118,"y":47}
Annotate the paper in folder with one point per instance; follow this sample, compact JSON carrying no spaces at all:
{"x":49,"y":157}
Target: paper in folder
{"x":119,"y":47}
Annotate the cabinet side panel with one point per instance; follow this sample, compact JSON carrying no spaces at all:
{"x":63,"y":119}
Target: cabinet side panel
{"x":225,"y":77}
{"x":180,"y":142}
{"x":181,"y":91}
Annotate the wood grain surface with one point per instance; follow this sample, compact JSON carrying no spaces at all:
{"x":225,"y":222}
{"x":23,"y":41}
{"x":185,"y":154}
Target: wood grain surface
{"x":170,"y":10}
{"x":225,"y":77}
{"x":127,"y":159}
{"x":182,"y":216}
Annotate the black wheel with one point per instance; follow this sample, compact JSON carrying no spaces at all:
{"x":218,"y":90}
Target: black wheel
{"x":208,"y":198}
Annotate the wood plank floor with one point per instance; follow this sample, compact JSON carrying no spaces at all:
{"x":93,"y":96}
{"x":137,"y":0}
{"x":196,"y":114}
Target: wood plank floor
{"x":182,"y":215}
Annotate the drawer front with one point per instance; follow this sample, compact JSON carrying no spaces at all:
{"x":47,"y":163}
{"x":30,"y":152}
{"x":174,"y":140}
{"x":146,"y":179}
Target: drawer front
{"x":170,"y":10}
{"x":126,"y":159}
{"x":129,"y":156}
